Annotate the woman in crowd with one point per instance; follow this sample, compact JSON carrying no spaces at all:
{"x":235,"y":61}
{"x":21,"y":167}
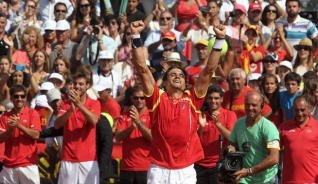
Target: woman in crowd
{"x":39,"y":68}
{"x":31,"y":41}
{"x":269,"y":17}
{"x":5,"y":67}
{"x":277,"y":43}
{"x":270,"y":90}
{"x":304,"y":59}
{"x":62,"y":66}
{"x":28,"y":18}
{"x":83,"y":16}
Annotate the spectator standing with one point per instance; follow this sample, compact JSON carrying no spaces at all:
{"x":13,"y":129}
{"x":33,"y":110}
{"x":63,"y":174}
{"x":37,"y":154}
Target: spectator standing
{"x":79,"y":118}
{"x":214,"y":122}
{"x":297,"y":27}
{"x":133,"y":129}
{"x":292,"y":83}
{"x":20,"y":128}
{"x":259,"y":139}
{"x":6,"y":43}
{"x":47,"y":8}
{"x":299,"y":138}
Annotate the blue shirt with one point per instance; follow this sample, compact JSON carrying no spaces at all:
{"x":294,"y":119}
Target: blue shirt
{"x":286,"y":103}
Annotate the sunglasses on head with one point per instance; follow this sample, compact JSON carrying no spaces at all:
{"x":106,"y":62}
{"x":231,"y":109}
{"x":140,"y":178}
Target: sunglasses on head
{"x":18,"y":96}
{"x":138,"y":97}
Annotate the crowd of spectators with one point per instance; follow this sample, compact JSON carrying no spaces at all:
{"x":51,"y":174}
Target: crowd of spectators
{"x":157,"y":85}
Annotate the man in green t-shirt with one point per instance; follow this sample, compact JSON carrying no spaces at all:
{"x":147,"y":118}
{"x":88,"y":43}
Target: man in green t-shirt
{"x":259,"y":139}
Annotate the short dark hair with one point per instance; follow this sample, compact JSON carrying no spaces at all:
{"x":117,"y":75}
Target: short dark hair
{"x":293,"y":76}
{"x":81,"y":75}
{"x":215,"y":88}
{"x":3,"y":15}
{"x":299,"y":3}
{"x":165,"y":76}
{"x":17,"y":88}
{"x":60,"y":3}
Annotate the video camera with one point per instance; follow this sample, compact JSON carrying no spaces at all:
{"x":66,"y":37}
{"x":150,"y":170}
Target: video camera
{"x":232,"y":162}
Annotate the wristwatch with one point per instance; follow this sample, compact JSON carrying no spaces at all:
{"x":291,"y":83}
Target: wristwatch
{"x":136,"y":42}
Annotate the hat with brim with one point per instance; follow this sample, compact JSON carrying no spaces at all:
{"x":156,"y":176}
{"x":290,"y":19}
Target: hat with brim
{"x":251,"y":28}
{"x":202,"y":42}
{"x":62,"y":25}
{"x":57,"y":76}
{"x":105,"y":54}
{"x":168,"y":35}
{"x":239,"y":7}
{"x":46,"y":86}
{"x":271,"y":56}
{"x":103,"y":87}
{"x":53,"y":94}
{"x":286,"y":64}
{"x":173,"y":59}
{"x":305,"y":42}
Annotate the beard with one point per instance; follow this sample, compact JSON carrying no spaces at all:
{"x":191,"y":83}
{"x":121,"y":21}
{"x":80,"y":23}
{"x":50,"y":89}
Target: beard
{"x":292,"y":15}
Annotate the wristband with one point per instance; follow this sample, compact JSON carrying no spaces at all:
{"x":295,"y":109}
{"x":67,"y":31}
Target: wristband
{"x":136,"y":42}
{"x":218,"y":44}
{"x":250,"y":171}
{"x":135,"y":36}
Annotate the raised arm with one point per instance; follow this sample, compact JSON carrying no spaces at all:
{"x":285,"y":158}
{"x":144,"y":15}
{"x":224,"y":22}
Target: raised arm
{"x":202,"y":83}
{"x":139,"y":58}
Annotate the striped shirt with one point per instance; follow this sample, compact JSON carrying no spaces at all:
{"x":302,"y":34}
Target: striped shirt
{"x":299,"y":29}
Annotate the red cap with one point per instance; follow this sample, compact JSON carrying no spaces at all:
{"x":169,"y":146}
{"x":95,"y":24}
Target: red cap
{"x":168,"y":35}
{"x":254,"y":6}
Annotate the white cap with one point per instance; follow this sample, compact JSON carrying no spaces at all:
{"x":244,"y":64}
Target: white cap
{"x":105,"y":54}
{"x":103,"y":86}
{"x":253,"y":76}
{"x":53,"y":94}
{"x":49,"y":25}
{"x":41,"y":101}
{"x":56,"y":76}
{"x":47,"y":86}
{"x":287,"y":64}
{"x":62,"y":25}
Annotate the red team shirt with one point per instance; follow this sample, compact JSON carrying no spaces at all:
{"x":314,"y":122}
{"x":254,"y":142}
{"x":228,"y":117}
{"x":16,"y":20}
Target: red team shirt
{"x":210,"y":137}
{"x":238,"y":105}
{"x":111,"y":107}
{"x":79,"y":136}
{"x":301,"y":152}
{"x":136,"y":148}
{"x":20,"y":149}
{"x":174,"y":124}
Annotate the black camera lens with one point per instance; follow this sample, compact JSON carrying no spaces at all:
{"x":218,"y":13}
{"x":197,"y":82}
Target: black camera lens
{"x":96,"y":30}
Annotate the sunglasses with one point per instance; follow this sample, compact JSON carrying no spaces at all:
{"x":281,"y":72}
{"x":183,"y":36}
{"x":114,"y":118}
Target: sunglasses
{"x":304,"y":48}
{"x":165,"y":18}
{"x":18,"y":96}
{"x":138,"y":97}
{"x":30,"y":6}
{"x":84,"y":5}
{"x":60,"y":11}
{"x":269,"y":61}
{"x":271,"y":11}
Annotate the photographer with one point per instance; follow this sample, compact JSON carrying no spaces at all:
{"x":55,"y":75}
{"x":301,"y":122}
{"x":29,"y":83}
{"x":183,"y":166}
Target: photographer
{"x":258,"y":138}
{"x":214,"y":122}
{"x":92,"y":43}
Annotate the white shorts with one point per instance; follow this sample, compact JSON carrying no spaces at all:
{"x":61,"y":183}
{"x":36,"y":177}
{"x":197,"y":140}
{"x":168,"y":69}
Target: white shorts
{"x":79,"y":173}
{"x":161,"y":175}
{"x":25,"y":175}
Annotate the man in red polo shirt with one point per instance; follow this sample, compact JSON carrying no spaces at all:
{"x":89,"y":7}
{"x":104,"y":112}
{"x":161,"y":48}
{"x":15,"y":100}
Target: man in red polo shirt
{"x":235,"y":97}
{"x":174,"y":114}
{"x":299,"y":139}
{"x":19,"y":130}
{"x":134,"y":130}
{"x":214,"y":122}
{"x":79,"y":118}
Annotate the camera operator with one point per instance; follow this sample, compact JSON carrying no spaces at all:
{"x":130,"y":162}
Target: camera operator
{"x":94,"y":41}
{"x":214,"y":122}
{"x":259,"y":139}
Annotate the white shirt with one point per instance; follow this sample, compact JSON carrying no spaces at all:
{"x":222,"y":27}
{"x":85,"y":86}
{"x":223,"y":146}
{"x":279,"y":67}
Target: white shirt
{"x":46,"y":10}
{"x":113,"y":81}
